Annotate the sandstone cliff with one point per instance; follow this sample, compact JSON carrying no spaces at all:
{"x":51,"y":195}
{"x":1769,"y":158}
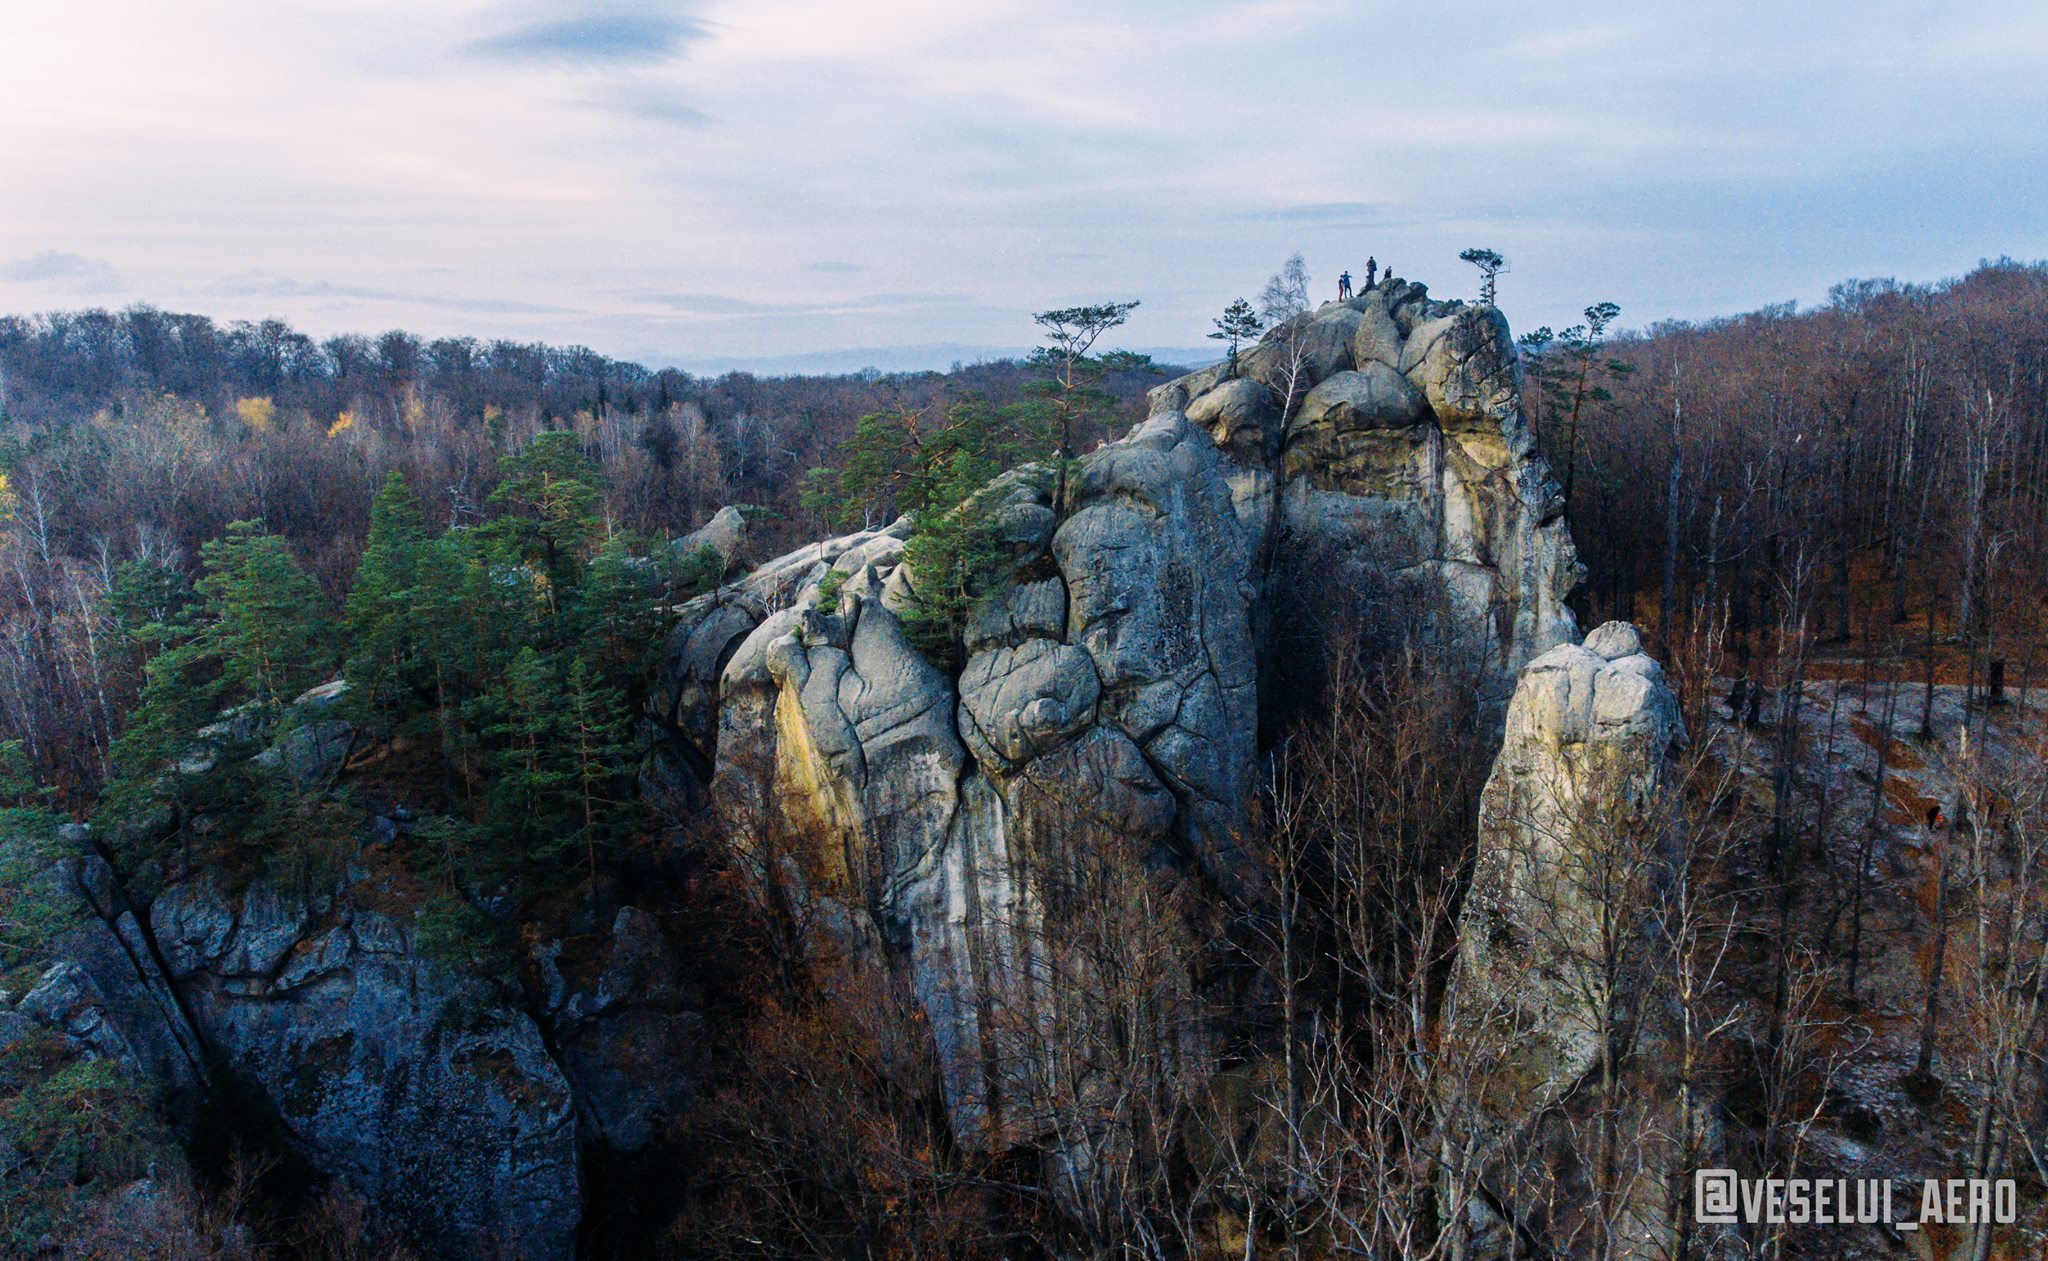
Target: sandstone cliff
{"x":1372,"y":455}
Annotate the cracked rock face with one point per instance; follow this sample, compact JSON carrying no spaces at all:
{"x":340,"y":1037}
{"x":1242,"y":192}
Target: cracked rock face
{"x":1113,"y":684}
{"x":428,"y":1093}
{"x":1405,"y":469}
{"x":1565,"y":814}
{"x":1572,"y":844}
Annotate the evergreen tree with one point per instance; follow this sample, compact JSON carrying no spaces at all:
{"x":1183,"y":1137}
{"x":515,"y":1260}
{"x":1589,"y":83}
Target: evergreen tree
{"x":268,"y":623}
{"x":955,"y":559}
{"x":145,"y":598}
{"x":1490,"y":265}
{"x":1238,"y":324}
{"x":384,"y":667}
{"x":1070,"y":394}
{"x":258,"y":637}
{"x":600,"y":742}
{"x":619,"y":614}
{"x":823,"y":499}
{"x":529,"y":808}
{"x":476,"y":610}
{"x":549,"y":495}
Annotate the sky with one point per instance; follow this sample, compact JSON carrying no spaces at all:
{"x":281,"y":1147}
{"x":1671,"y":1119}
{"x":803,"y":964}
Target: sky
{"x":823,"y":183}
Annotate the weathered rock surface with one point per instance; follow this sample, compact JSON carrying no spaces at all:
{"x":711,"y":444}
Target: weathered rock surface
{"x":1572,"y":849}
{"x":427,"y":1092}
{"x":1571,"y":799}
{"x":1405,"y":471}
{"x":725,"y":534}
{"x":106,"y":991}
{"x":1113,"y":682}
{"x":631,"y":1042}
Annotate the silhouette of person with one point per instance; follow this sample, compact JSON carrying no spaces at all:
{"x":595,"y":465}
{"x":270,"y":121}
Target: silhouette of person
{"x":1343,"y":286}
{"x":1371,"y":266}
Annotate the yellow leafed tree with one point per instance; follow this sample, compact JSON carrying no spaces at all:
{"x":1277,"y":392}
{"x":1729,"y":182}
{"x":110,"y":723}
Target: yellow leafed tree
{"x":259,"y":413}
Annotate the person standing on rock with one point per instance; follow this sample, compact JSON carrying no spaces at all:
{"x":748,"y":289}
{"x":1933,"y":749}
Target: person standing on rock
{"x":1343,"y":286}
{"x":1371,"y":265}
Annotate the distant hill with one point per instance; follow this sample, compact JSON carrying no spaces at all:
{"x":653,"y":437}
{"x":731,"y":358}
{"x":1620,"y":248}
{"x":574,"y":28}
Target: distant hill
{"x":937,"y":357}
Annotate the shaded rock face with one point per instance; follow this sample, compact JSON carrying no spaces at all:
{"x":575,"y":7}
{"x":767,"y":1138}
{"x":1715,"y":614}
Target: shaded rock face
{"x":1405,"y":468}
{"x":1573,"y":846}
{"x":425,"y":1091}
{"x":108,"y":993}
{"x":631,"y":1042}
{"x":1112,"y":684}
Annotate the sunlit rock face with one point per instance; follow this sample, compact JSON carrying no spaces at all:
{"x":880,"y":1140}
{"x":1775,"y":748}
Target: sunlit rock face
{"x":1112,"y":686}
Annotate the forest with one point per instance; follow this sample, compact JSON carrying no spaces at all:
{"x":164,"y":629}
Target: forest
{"x":1822,"y":521}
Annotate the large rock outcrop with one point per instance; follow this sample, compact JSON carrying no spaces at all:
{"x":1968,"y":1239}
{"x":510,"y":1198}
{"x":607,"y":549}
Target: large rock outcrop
{"x":425,"y":1090}
{"x":1111,"y":684}
{"x":1404,"y":473}
{"x":106,"y":990}
{"x":1559,"y":932}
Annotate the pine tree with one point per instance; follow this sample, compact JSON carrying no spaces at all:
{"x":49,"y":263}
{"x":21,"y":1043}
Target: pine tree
{"x":955,"y":559}
{"x":472,"y":610}
{"x":549,"y":498}
{"x":618,"y":614}
{"x":181,"y":689}
{"x":1238,"y":324}
{"x":599,"y":741}
{"x":145,"y":598}
{"x":1070,"y":394}
{"x":268,"y":623}
{"x":1490,"y":265}
{"x":385,"y":672}
{"x":528,"y":816}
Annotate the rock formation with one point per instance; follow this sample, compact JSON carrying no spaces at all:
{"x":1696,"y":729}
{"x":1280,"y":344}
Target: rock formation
{"x":1559,"y":928}
{"x":434,"y":1098}
{"x":434,"y":1095}
{"x":1113,"y":681}
{"x":1370,"y":463}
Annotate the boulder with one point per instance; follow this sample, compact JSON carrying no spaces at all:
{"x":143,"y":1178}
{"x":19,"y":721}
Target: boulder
{"x":1016,"y":612}
{"x":1017,"y":702}
{"x":1314,"y":346}
{"x":1464,"y":363}
{"x":725,"y":534}
{"x":1242,"y":419}
{"x":1376,"y":397}
{"x":1378,"y":338}
{"x":311,"y":752}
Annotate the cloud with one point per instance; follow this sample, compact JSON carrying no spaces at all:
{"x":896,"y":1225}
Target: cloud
{"x":263,"y":284}
{"x":606,"y":37}
{"x":1327,"y":213}
{"x":836,"y":268}
{"x":648,"y":103}
{"x":72,"y":272}
{"x":718,"y":304}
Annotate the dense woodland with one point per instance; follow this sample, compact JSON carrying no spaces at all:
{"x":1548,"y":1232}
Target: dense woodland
{"x":1877,"y":462}
{"x":141,"y":436}
{"x":477,"y":536}
{"x":1879,"y":465}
